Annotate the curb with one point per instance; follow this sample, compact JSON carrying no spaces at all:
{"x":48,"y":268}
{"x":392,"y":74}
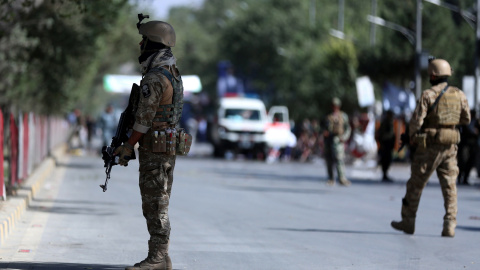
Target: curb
{"x":13,"y":208}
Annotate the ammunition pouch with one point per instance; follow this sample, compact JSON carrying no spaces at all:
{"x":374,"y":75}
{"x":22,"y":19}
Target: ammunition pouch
{"x":420,"y":140}
{"x":448,"y":136}
{"x":444,"y":136}
{"x":184,"y":143}
{"x":168,"y":141}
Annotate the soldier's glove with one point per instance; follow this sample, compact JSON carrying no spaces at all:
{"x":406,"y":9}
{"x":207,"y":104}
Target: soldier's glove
{"x":124,"y":152}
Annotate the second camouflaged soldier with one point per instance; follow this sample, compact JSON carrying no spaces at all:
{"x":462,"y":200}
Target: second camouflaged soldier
{"x":432,"y":129}
{"x":336,"y":131}
{"x":158,"y":114}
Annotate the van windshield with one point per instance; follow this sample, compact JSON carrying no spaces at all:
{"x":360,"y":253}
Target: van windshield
{"x":242,"y":114}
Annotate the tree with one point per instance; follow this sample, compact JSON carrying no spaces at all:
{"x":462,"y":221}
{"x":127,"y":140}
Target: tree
{"x":52,"y":45}
{"x":287,"y":60}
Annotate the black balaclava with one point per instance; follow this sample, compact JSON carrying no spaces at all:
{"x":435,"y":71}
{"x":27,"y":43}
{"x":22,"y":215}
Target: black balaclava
{"x":148,"y":48}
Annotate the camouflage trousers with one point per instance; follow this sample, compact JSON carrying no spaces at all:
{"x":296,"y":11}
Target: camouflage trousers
{"x":334,"y":154}
{"x":443,"y":160}
{"x":156,"y":178}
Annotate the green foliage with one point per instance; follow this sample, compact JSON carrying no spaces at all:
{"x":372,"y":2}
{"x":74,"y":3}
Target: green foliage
{"x":52,"y":45}
{"x":53,"y":54}
{"x":287,"y":60}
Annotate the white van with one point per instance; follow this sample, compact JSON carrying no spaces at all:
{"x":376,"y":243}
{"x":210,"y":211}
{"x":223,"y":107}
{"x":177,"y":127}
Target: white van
{"x":241,"y":126}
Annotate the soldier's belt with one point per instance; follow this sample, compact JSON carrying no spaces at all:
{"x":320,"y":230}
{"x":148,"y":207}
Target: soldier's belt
{"x":445,"y":136}
{"x":448,"y":136}
{"x":168,"y":141}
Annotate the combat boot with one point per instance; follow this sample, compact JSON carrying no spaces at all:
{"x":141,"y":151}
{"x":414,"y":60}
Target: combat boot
{"x":407,"y":225}
{"x":157,"y":259}
{"x":449,"y":228}
{"x":344,"y":182}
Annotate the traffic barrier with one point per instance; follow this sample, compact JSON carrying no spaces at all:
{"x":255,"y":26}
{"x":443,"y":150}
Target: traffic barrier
{"x":13,"y":159}
{"x":27,"y":139}
{"x":26,"y":149}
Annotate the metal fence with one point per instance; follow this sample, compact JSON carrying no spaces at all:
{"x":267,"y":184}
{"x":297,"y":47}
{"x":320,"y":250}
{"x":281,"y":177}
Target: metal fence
{"x":26,"y":139}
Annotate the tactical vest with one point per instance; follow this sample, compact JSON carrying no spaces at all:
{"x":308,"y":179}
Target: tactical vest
{"x":447,"y":111}
{"x":336,"y":124}
{"x":170,"y":113}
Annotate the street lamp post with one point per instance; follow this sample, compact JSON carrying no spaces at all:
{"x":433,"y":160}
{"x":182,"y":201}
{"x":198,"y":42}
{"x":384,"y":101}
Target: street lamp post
{"x":339,"y":33}
{"x":477,"y":56}
{"x":372,"y":27}
{"x":413,"y":38}
{"x":418,"y":49}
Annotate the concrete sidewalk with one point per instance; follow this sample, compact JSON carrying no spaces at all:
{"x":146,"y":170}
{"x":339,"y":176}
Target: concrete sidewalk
{"x":12,"y":209}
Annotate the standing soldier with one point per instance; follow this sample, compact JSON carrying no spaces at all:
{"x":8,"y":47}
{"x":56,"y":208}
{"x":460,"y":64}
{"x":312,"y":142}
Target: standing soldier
{"x":336,"y":132}
{"x":159,"y":110}
{"x":432,"y":130}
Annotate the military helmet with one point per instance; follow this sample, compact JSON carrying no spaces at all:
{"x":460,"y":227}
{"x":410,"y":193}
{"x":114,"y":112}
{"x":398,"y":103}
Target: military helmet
{"x":439,"y":68}
{"x":336,"y":101}
{"x":158,"y":31}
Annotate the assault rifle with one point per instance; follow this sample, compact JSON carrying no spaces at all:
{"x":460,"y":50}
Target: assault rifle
{"x":125,"y":124}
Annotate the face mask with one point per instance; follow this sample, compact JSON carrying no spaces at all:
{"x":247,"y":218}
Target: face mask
{"x":148,"y":48}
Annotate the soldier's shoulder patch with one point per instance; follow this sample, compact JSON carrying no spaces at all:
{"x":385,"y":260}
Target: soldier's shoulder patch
{"x":146,"y":91}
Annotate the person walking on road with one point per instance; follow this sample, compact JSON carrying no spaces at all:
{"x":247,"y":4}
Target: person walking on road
{"x":386,"y":137}
{"x":159,"y":111}
{"x":336,"y":131}
{"x":468,"y":148}
{"x":432,"y":129}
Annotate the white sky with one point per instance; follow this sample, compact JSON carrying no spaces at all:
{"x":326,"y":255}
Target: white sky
{"x":161,"y":7}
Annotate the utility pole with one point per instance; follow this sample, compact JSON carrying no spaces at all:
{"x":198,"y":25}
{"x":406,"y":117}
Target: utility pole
{"x":313,"y":12}
{"x":341,"y":7}
{"x":372,"y":25}
{"x":477,"y":56}
{"x":418,"y":49}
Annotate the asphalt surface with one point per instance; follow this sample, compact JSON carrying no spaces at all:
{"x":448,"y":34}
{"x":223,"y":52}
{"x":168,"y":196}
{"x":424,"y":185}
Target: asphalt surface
{"x":240,"y":214}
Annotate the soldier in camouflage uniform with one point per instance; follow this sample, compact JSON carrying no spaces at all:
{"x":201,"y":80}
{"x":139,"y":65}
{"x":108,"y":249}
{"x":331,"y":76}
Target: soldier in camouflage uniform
{"x":432,"y":129}
{"x":159,"y":110}
{"x":336,"y":131}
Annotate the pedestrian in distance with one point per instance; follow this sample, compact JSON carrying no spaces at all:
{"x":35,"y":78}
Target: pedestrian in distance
{"x":336,"y":131}
{"x":107,"y":122}
{"x":157,"y":118}
{"x":468,"y":148}
{"x":433,"y":130}
{"x":386,"y":137}
{"x":75,"y":140}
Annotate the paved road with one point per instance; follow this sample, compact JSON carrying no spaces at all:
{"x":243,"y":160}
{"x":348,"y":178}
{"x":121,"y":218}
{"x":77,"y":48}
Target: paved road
{"x":240,"y":215}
